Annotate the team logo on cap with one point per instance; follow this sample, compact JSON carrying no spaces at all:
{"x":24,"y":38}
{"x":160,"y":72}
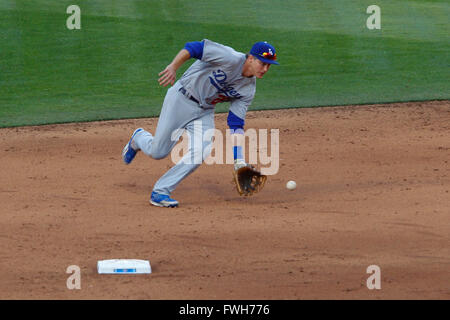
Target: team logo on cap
{"x":269,"y":55}
{"x":265,"y":52}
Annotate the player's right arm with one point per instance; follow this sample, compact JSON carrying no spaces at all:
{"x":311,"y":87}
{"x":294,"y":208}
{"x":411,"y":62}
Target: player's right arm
{"x":169,"y":74}
{"x":191,"y":50}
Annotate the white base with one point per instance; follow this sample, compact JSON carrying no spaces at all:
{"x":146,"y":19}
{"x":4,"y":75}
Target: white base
{"x":123,"y":266}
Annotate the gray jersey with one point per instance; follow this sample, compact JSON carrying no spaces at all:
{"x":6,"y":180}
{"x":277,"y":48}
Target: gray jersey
{"x":217,"y":77}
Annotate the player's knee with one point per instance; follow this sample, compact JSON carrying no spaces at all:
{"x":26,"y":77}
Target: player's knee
{"x":158,"y":154}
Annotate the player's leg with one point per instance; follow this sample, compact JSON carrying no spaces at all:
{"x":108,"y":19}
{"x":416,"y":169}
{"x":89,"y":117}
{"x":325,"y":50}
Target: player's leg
{"x":130,"y":150}
{"x":176,"y":112}
{"x":198,"y":151}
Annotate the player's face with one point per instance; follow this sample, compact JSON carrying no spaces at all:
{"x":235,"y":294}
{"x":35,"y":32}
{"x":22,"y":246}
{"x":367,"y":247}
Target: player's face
{"x":259,"y":68}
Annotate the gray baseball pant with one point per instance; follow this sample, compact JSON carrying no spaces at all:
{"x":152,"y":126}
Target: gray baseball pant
{"x":178,"y":112}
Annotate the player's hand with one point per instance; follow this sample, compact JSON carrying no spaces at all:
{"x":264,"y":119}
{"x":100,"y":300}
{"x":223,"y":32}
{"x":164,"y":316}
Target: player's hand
{"x":168,"y":75}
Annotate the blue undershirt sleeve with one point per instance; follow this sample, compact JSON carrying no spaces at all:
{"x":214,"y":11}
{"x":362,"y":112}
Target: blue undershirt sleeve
{"x":235,"y":123}
{"x":195,"y":49}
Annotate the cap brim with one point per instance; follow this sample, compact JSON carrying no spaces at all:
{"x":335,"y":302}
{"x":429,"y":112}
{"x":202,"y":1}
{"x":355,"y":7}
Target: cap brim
{"x":266,"y":60}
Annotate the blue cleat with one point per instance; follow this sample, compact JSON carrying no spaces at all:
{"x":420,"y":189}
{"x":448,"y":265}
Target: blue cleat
{"x":128,"y":153}
{"x":162,"y":200}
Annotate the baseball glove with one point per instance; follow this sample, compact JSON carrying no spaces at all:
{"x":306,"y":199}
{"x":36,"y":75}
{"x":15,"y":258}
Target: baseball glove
{"x":248,"y":180}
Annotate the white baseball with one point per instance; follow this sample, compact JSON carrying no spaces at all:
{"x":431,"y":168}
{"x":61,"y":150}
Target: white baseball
{"x":291,"y":185}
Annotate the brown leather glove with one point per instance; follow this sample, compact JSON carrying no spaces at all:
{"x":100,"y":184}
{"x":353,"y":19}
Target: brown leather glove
{"x":248,"y":179}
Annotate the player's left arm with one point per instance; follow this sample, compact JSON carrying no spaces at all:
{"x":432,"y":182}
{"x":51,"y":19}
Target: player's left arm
{"x":236,"y":123}
{"x":247,"y":178}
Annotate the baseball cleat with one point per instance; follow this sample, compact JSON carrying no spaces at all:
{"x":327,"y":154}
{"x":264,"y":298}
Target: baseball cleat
{"x":128,"y":153}
{"x":163,"y":200}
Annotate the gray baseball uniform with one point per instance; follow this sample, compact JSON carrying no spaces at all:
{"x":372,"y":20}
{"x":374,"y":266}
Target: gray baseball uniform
{"x":216,"y":77}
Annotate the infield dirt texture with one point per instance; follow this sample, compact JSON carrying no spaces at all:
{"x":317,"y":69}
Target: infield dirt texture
{"x":372,"y":172}
{"x":372,"y":189}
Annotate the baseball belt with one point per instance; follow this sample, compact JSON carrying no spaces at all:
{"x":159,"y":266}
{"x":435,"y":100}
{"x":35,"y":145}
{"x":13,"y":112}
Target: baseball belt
{"x":188,"y":95}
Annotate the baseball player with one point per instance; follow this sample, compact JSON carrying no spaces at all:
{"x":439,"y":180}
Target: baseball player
{"x":219,"y":74}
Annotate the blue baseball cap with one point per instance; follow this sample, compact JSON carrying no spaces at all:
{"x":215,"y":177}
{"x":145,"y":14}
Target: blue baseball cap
{"x":265,"y":52}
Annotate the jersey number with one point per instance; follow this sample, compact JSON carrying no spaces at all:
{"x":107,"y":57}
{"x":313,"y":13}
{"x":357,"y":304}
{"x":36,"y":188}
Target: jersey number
{"x":220,"y":99}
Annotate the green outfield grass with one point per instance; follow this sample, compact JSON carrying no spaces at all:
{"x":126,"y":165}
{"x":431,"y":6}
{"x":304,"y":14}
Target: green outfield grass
{"x":109,"y":68}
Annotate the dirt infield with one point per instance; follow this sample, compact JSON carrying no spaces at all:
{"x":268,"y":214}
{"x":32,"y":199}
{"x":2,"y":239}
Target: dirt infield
{"x":373,"y":188}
